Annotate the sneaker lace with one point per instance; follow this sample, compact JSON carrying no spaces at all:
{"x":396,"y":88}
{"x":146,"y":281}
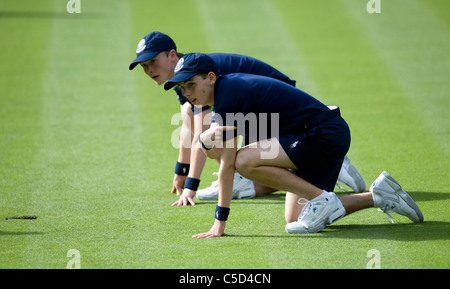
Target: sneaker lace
{"x":302,"y":201}
{"x":386,"y":210}
{"x":306,"y":208}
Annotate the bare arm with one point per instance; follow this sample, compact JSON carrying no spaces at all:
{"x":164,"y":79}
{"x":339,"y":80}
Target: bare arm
{"x":197,"y":157}
{"x":185,"y":148}
{"x":226,"y":178}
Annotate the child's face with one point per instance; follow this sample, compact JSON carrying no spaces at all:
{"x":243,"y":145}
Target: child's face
{"x":160,"y":68}
{"x":199,"y":89}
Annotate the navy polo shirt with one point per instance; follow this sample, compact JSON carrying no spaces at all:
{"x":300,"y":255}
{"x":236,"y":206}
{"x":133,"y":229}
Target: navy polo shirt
{"x":234,"y":63}
{"x":239,"y":96}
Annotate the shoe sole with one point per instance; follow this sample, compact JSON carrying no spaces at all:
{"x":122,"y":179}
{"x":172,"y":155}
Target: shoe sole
{"x":249,"y":194}
{"x":295,"y":230}
{"x":357,"y":183}
{"x":207,"y":198}
{"x":405,"y":197}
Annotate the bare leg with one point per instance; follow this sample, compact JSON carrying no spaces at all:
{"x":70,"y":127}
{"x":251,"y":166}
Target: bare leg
{"x":356,"y":202}
{"x":292,"y":208}
{"x":273,"y":172}
{"x":262,"y":190}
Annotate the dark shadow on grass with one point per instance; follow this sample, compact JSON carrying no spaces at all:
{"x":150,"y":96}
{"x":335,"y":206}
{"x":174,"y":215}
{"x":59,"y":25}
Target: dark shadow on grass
{"x":429,"y":196}
{"x":433,"y":230}
{"x":2,"y":233}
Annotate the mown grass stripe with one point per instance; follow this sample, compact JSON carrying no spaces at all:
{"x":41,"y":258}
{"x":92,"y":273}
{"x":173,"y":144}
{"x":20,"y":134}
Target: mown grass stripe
{"x":414,"y":51}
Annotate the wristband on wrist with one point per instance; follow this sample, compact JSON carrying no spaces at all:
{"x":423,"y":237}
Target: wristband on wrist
{"x":182,"y":169}
{"x":191,"y":183}
{"x":221,"y":213}
{"x":203,"y":145}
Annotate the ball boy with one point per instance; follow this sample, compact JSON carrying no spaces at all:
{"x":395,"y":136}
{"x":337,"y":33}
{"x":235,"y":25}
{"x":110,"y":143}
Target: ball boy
{"x":308,"y":137}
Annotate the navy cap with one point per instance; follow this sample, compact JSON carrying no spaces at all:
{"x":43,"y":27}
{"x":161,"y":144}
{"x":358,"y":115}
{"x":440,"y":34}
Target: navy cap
{"x":189,"y":66}
{"x":151,"y":45}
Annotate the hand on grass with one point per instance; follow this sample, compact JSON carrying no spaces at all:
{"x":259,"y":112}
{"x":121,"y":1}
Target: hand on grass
{"x":178,"y":184}
{"x":187,"y":197}
{"x":217,"y":230}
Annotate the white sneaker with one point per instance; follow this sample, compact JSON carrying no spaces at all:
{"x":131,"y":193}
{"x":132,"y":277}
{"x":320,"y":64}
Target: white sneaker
{"x":350,"y":176}
{"x":317,"y":213}
{"x":242,"y":189}
{"x":388,"y":196}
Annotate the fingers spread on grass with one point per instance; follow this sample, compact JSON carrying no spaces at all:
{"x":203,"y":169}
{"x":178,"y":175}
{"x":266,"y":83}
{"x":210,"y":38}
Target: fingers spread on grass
{"x":184,"y":201}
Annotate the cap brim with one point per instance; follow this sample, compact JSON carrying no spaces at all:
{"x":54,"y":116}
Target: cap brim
{"x":179,"y":77}
{"x":143,"y":57}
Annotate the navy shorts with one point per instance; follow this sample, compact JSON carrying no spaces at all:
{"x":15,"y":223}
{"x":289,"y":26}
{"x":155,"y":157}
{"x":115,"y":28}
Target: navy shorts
{"x":318,"y":153}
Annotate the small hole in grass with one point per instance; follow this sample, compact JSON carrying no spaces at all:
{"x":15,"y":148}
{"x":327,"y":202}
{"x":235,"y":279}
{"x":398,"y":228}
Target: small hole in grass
{"x":21,"y":218}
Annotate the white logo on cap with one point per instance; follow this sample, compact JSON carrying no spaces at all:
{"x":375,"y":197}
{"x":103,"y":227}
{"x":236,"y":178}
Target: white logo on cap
{"x":141,"y":46}
{"x":180,"y":65}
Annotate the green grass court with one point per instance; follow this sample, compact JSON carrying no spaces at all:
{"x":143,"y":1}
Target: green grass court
{"x":85,"y":144}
